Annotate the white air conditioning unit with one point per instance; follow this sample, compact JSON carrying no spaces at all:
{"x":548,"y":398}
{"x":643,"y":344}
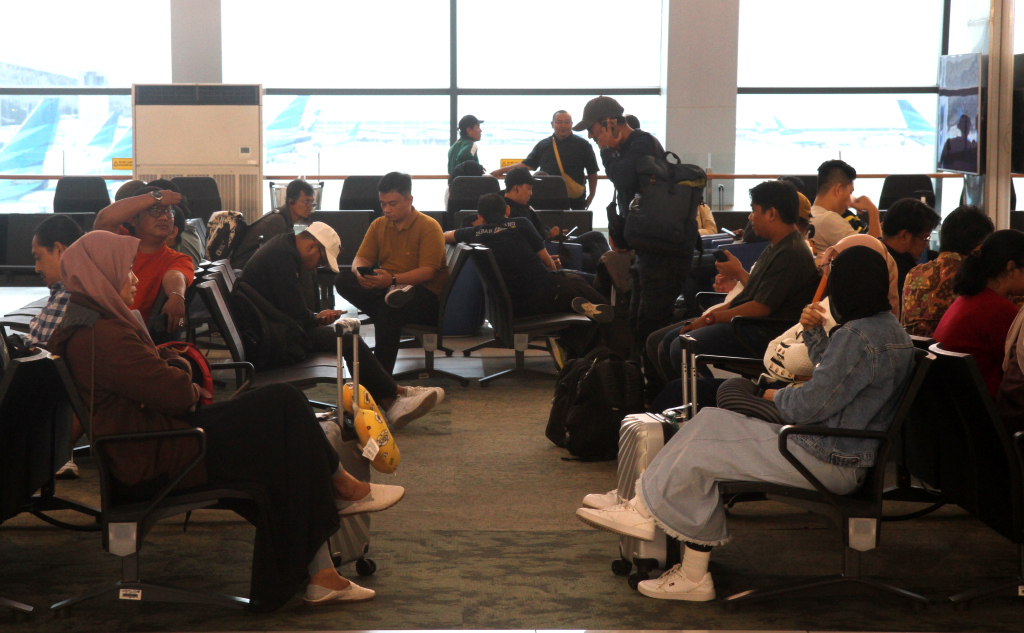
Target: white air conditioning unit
{"x":202,"y":130}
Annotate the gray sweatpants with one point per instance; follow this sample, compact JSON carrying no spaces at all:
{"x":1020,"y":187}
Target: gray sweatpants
{"x":680,"y":488}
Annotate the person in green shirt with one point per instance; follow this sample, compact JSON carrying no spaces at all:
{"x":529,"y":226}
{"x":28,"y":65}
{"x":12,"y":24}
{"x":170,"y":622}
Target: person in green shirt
{"x":465,"y":148}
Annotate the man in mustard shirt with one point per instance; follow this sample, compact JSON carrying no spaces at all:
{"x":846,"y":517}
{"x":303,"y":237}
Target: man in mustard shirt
{"x":400,"y":268}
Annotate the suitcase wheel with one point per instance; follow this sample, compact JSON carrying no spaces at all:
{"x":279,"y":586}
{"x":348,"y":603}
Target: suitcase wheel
{"x":336,"y":560}
{"x":621,"y":566}
{"x":636,"y":578}
{"x":365,"y":567}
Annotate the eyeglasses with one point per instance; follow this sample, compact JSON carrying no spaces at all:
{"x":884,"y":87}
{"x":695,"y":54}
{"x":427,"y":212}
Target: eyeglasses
{"x":156,"y":211}
{"x":309,"y":202}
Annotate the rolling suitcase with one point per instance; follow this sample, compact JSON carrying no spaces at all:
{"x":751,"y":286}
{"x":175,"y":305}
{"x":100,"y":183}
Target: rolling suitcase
{"x":641,"y":436}
{"x":352,"y":541}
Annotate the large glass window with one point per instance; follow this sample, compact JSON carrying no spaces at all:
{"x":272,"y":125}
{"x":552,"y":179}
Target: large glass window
{"x":559,"y":44}
{"x":316,"y":44}
{"x":98,"y":43}
{"x":797,"y":43}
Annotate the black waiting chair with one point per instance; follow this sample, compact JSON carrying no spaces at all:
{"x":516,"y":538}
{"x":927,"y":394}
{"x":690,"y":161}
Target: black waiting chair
{"x":80,"y":194}
{"x":315,"y":369}
{"x":359,"y":193}
{"x":898,"y":186}
{"x":509,"y":331}
{"x":35,"y":439}
{"x":960,"y":445}
{"x":464,"y":193}
{"x":857,"y":516}
{"x":202,"y":193}
{"x":351,"y":227}
{"x":126,"y":519}
{"x":809,"y":188}
{"x":550,"y":193}
{"x":432,"y":336}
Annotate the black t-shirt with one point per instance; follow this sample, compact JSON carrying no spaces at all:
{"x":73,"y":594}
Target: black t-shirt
{"x":784,"y":278}
{"x":526,"y":212}
{"x":515,"y":244}
{"x":576,"y":153}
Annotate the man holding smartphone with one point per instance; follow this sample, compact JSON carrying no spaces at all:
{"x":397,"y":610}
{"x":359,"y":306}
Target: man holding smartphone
{"x":399,"y":270}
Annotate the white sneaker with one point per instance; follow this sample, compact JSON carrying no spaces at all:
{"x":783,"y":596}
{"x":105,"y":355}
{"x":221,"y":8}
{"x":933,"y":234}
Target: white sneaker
{"x":398,"y":296}
{"x":600,"y":502}
{"x":412,"y":391}
{"x":380,"y":497}
{"x":407,"y":408}
{"x":620,"y":519}
{"x":317,"y":595}
{"x":674,"y":585}
{"x":68,"y":470}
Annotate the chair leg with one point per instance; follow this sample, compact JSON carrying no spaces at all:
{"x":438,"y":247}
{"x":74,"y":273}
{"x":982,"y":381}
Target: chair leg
{"x":480,"y":346}
{"x":962,"y":601}
{"x":133,"y":589}
{"x":519,"y":368}
{"x":19,"y":608}
{"x":851,"y":574}
{"x":428,"y":370}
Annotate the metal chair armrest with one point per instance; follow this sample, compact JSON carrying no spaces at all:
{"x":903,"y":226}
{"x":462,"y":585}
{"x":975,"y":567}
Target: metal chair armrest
{"x":197,"y":433}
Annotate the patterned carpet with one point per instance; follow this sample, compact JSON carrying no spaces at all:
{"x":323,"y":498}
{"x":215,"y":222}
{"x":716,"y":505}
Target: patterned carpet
{"x":486,"y":539}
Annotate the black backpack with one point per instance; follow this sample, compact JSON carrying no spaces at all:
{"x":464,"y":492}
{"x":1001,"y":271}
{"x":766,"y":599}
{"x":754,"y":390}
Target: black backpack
{"x":592,"y":395}
{"x":270,"y":337}
{"x":663,"y":218}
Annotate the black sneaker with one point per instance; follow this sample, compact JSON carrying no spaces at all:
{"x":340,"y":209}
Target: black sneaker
{"x":398,"y":296}
{"x":597,"y":311}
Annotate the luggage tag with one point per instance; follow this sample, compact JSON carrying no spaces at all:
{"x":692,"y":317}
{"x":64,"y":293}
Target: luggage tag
{"x":371,"y":449}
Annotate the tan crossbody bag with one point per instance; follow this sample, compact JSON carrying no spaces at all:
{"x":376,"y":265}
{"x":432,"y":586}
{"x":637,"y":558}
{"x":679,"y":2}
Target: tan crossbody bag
{"x":575,"y":189}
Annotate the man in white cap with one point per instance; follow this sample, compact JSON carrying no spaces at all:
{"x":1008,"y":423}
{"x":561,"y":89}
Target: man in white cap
{"x":274,"y":271}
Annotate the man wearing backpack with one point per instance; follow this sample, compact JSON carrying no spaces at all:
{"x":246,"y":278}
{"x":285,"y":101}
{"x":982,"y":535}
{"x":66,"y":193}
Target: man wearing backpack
{"x":661,"y":275}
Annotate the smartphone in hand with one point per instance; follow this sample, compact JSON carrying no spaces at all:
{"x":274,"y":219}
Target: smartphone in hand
{"x":720,"y":256}
{"x":366,"y":271}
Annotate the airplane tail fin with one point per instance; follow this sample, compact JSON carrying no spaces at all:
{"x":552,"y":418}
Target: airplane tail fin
{"x":105,"y":136}
{"x":27,"y":149}
{"x":915,"y":122}
{"x":291,"y":117}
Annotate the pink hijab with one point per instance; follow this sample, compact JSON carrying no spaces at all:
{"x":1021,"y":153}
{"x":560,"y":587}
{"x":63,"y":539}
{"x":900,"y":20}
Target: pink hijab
{"x":872,"y":243}
{"x":97,"y":265}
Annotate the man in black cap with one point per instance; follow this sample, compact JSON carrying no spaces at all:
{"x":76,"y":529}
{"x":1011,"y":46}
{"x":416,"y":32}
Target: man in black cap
{"x":660,"y":276}
{"x":465,"y":148}
{"x":565,"y":154}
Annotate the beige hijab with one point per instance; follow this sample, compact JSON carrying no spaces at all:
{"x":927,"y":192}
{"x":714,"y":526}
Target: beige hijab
{"x":97,"y":265}
{"x":875,"y":244}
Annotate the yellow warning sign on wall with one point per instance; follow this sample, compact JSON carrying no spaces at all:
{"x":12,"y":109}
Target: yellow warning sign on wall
{"x":505,"y":162}
{"x":122,"y":163}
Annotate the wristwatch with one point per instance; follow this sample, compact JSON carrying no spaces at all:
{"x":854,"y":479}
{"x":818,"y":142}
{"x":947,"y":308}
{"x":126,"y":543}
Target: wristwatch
{"x":710,"y":319}
{"x":157,"y":196}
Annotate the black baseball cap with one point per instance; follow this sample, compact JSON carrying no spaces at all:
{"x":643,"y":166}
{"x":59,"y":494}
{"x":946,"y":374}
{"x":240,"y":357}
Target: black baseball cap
{"x":598,"y":109}
{"x":467,"y":122}
{"x":519,"y":176}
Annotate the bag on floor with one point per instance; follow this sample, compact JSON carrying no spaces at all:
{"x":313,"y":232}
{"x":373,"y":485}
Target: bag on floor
{"x":663,"y":217}
{"x":641,"y":437}
{"x":592,"y":395}
{"x":224,"y":231}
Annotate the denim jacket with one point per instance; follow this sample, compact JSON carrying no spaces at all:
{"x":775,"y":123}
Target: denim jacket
{"x":860,"y":374}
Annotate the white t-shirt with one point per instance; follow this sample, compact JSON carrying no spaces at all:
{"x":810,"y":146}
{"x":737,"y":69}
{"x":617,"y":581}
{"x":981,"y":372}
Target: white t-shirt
{"x":829,"y":228}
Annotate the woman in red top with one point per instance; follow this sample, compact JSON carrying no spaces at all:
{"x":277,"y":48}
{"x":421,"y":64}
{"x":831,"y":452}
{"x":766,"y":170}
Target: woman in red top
{"x":978,"y":320}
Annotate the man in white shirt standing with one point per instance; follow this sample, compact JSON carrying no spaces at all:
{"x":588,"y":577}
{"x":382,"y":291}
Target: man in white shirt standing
{"x":830,"y":214}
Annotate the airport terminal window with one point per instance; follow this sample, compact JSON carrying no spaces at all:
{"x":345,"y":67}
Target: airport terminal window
{"x":564,"y":41}
{"x":876,"y":133}
{"x":809,"y":43}
{"x":315,"y":44}
{"x":85,"y":44}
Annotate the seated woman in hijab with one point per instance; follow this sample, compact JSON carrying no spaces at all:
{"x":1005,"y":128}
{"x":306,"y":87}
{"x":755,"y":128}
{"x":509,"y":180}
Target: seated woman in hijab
{"x":862,"y":371}
{"x":266,"y":441}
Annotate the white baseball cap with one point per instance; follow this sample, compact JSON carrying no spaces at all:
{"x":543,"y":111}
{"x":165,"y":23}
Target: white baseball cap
{"x":329,"y":239}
